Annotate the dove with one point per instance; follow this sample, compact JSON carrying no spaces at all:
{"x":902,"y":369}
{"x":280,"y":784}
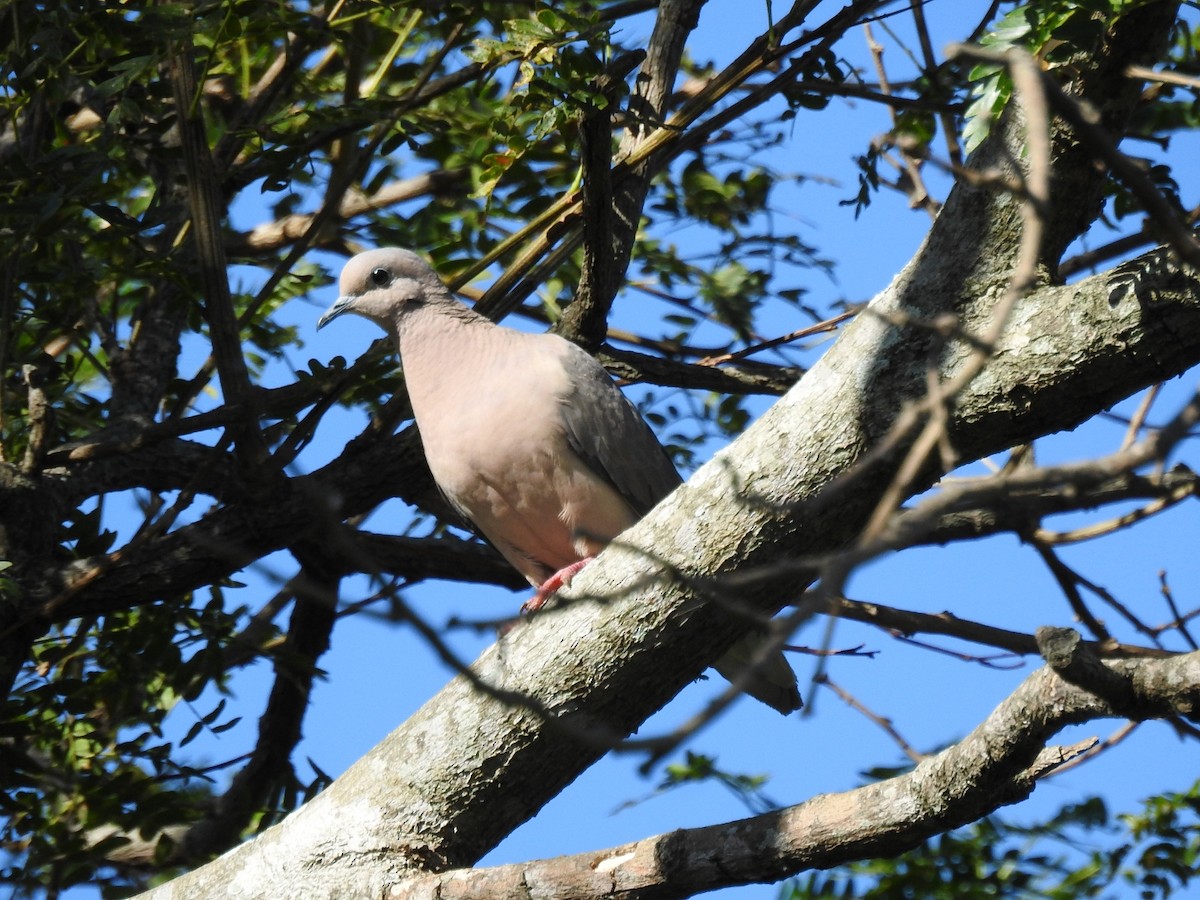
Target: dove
{"x":526,"y":435}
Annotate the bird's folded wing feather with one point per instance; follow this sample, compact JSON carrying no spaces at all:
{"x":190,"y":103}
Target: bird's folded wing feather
{"x":607,"y":434}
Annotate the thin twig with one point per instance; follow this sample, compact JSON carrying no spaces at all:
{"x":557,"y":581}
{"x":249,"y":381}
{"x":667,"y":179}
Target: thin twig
{"x":1107,"y":744}
{"x":882,"y":721}
{"x":1146,"y":74}
{"x":1178,"y":621}
{"x":823,"y":327}
{"x":1027,"y":86}
{"x":1139,"y":416}
{"x":1119,"y":523}
{"x":905,"y":623}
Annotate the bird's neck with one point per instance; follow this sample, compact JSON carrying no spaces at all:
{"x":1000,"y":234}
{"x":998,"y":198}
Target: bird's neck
{"x":434,"y":327}
{"x":435,"y":339}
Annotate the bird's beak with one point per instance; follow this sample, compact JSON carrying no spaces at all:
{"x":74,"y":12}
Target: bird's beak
{"x":340,"y":305}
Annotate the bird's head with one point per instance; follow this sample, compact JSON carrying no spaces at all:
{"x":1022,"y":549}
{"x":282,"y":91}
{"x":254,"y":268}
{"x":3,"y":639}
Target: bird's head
{"x":381,"y":284}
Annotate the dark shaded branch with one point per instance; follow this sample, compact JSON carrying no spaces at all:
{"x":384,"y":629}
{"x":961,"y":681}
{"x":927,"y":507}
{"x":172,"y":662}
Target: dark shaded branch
{"x":611,"y":225}
{"x":207,"y":213}
{"x":141,"y":371}
{"x":585,"y":320}
{"x":167,"y":465}
{"x":904,"y":623}
{"x":746,"y":377}
{"x":269,"y":768}
{"x":278,"y":403}
{"x":447,"y":558}
{"x":1019,"y":515}
{"x":30,"y":513}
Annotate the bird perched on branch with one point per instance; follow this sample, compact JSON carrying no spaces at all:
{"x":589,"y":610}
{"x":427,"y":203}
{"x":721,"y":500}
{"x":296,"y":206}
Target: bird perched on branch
{"x":525,"y":434}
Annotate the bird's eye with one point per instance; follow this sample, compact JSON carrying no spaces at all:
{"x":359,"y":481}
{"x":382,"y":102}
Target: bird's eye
{"x":380,"y":277}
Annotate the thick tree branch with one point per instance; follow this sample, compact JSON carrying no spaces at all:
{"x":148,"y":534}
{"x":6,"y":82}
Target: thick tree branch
{"x":1000,"y":762}
{"x":268,"y":767}
{"x":1087,"y":123}
{"x":742,"y":510}
{"x":206,"y":216}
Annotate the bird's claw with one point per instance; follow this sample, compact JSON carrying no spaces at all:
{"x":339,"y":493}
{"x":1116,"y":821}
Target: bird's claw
{"x":552,"y":585}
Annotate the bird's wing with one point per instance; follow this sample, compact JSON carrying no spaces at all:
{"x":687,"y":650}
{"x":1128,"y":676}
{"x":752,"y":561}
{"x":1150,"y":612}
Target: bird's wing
{"x":604,"y":430}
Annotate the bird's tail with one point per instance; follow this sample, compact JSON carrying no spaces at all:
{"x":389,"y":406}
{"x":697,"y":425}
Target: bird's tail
{"x":769,"y":680}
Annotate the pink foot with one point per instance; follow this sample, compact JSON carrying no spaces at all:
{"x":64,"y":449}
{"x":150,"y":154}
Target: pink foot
{"x":559,"y":579}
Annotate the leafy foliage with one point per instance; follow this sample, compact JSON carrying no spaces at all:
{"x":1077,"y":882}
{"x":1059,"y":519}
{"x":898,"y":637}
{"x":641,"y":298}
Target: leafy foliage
{"x":1057,"y":33}
{"x":698,"y":767}
{"x":1152,"y":852}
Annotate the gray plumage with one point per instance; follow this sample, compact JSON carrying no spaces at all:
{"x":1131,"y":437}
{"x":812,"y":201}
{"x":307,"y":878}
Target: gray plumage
{"x":525,"y":434}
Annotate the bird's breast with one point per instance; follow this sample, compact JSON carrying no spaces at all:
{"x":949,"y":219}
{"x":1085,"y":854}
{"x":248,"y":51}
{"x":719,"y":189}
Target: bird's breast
{"x":493,"y":435}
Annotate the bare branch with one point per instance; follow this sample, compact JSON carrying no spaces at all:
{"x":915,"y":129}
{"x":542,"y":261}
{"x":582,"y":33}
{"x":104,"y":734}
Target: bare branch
{"x":284,"y":231}
{"x":1178,"y":621}
{"x":902,"y":623}
{"x":1147,"y":74}
{"x":882,"y":721}
{"x":932,"y":71}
